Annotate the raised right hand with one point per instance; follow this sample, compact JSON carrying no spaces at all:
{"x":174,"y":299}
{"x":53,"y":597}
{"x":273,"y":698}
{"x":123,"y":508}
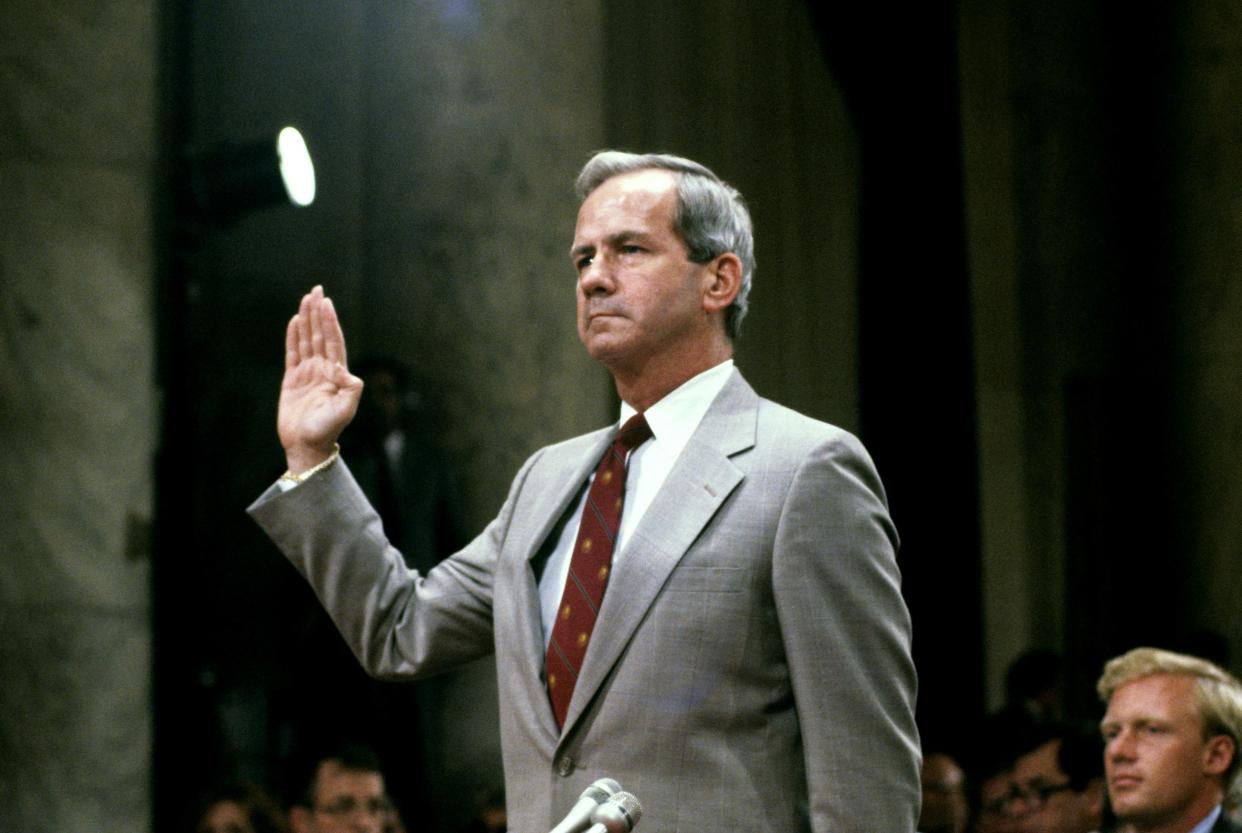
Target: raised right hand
{"x":319,"y":396}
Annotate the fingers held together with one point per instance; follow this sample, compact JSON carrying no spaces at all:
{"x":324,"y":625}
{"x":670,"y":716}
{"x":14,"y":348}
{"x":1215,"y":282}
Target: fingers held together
{"x":315,"y":331}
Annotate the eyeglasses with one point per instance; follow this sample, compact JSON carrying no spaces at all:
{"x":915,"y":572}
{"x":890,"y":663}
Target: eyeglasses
{"x":348,"y":806}
{"x":1033,"y":797}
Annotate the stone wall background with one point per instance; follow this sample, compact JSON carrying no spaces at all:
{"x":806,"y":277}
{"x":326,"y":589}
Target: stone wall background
{"x":1098,"y":150}
{"x":78,"y":413}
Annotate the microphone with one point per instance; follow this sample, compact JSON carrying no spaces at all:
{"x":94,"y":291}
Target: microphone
{"x":619,"y":814}
{"x":579,"y":815}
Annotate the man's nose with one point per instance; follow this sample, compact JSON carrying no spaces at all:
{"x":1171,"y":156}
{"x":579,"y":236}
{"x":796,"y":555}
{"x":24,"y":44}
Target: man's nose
{"x":596,"y":277}
{"x":1121,"y":746}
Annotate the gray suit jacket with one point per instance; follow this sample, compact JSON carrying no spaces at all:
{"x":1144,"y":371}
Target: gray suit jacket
{"x":750,"y":668}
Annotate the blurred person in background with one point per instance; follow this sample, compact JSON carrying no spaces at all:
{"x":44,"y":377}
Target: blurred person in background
{"x":945,"y":808}
{"x":239,"y":808}
{"x":341,"y":790}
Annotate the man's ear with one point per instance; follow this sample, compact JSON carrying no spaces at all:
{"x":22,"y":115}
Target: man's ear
{"x":1219,"y":754}
{"x":300,"y":819}
{"x":721,"y":282}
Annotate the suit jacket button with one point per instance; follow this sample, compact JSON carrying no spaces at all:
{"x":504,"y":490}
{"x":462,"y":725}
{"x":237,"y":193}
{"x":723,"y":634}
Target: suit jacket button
{"x":565,"y":766}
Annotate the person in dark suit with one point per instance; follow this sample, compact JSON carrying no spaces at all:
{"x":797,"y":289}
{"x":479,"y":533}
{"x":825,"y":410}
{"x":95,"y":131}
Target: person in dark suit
{"x":394,"y":453}
{"x":748,"y":666}
{"x":1055,"y":775}
{"x":1171,"y":733}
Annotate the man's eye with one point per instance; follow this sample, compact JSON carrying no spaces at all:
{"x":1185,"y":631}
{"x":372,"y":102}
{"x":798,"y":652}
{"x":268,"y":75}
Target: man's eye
{"x":630,"y":249}
{"x":583,"y":262}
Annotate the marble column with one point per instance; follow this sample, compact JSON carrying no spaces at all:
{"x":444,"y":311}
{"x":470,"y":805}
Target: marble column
{"x":77,"y":414}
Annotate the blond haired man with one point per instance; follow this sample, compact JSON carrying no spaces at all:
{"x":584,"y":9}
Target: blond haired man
{"x":1171,"y":733}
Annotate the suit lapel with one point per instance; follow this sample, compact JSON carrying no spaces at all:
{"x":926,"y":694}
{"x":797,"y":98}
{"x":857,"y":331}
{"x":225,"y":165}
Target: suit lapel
{"x":561,"y":475}
{"x":700,"y":481}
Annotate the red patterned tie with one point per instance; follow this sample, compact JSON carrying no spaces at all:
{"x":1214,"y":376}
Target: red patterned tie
{"x":589,"y":567}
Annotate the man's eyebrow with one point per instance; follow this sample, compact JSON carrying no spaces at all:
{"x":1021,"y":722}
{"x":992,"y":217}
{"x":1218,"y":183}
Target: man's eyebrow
{"x":626,"y":234}
{"x":1138,"y":722}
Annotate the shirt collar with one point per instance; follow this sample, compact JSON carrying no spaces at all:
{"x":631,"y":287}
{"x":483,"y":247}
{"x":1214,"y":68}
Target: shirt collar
{"x":675,"y":417}
{"x":1206,"y":825}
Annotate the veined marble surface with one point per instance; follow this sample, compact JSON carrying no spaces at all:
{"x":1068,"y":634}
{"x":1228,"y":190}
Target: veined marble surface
{"x":78,"y":414}
{"x":77,"y":400}
{"x":77,"y":80}
{"x":76,"y":725}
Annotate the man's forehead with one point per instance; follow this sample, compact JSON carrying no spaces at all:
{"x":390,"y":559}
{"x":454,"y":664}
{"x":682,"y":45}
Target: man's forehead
{"x":1164,"y":696}
{"x":995,"y":784}
{"x":643,"y":179}
{"x":335,"y":778}
{"x":937,"y":767}
{"x":634,"y":190}
{"x":1040,"y":761}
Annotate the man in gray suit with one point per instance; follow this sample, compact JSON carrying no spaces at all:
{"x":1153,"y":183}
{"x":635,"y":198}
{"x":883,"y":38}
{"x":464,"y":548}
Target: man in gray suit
{"x":748,"y":667}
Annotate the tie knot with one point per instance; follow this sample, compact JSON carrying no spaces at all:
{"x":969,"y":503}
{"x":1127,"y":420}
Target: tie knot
{"x":634,"y":433}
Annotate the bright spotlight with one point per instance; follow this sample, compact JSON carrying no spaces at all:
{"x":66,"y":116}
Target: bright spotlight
{"x":296,"y":168}
{"x":228,"y":181}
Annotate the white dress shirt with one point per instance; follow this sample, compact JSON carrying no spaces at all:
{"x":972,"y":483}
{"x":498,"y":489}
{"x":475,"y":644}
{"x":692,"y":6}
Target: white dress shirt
{"x":1206,"y":825}
{"x":672,"y":420}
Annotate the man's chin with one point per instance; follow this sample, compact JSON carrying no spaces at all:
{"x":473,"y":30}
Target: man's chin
{"x":1128,"y":805}
{"x":605,"y":347}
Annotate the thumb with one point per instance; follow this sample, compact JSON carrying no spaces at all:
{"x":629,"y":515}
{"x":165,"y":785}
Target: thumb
{"x":341,"y":377}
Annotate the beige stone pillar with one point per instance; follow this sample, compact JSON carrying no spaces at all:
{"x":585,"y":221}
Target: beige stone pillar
{"x":77,"y":414}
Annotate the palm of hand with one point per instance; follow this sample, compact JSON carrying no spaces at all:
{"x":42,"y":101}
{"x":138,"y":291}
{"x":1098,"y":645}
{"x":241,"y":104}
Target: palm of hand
{"x":318,"y":398}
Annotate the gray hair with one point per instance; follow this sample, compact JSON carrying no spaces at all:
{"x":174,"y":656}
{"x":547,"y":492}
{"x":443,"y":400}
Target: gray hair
{"x":1218,"y":694}
{"x":711,"y":216}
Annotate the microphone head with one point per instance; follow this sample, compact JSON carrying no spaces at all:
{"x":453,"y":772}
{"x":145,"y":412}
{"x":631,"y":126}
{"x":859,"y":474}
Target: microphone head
{"x":619,"y":814}
{"x":579,"y":818}
{"x":601,"y":790}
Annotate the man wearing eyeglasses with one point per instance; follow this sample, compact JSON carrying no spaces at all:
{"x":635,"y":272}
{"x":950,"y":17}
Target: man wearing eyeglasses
{"x":344,"y":794}
{"x":1058,"y":787}
{"x":1055,"y":785}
